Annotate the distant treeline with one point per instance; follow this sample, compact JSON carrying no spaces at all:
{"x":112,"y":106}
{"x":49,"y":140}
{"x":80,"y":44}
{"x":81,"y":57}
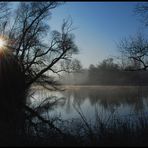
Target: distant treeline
{"x":118,"y":78}
{"x":106,"y":73}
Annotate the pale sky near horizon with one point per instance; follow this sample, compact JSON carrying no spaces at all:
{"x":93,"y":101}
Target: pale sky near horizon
{"x":99,"y":26}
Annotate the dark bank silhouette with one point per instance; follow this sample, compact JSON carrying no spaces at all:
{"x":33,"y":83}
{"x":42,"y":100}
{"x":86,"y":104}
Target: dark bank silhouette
{"x":12,"y":95}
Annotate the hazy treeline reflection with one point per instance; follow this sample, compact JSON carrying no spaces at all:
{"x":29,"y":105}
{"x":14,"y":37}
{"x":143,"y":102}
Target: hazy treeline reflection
{"x":106,"y":97}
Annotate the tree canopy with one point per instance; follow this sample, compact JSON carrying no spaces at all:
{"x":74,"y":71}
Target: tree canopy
{"x":38,"y":49}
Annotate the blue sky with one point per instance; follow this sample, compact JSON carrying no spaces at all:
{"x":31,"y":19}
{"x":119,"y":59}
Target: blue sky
{"x":99,"y":26}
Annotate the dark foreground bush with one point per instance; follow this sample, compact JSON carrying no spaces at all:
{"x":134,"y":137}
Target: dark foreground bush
{"x":117,"y":132}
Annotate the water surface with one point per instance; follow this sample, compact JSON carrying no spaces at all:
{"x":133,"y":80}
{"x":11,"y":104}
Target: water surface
{"x":121,"y":101}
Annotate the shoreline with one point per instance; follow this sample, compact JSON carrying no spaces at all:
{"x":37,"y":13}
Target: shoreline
{"x":93,"y":87}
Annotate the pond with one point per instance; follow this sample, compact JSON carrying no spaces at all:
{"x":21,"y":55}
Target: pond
{"x":86,"y":101}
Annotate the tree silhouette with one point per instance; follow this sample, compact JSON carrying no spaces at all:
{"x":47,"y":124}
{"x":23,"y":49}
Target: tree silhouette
{"x":31,"y":53}
{"x":141,"y":10}
{"x":135,"y":49}
{"x":108,"y":65}
{"x":13,"y":95}
{"x":33,"y":47}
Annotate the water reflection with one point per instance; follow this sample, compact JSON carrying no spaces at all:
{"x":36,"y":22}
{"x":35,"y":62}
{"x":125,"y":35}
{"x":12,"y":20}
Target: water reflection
{"x":123,"y":99}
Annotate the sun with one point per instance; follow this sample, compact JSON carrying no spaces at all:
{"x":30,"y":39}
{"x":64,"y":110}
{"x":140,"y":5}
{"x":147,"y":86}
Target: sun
{"x":2,"y":43}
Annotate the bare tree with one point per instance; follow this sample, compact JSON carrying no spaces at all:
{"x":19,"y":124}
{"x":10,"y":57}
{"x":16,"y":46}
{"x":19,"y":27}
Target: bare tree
{"x":37,"y":50}
{"x":135,"y":49}
{"x":141,"y":10}
{"x":71,"y":66}
{"x":4,"y":10}
{"x":37,"y":53}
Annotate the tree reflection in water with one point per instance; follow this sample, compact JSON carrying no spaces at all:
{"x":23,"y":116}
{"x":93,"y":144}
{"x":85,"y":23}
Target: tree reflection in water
{"x":123,"y":99}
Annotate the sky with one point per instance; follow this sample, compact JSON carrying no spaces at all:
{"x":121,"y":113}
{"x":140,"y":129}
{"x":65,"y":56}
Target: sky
{"x":99,"y":26}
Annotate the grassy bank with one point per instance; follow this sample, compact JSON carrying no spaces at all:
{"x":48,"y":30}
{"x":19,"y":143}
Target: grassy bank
{"x":113,"y":131}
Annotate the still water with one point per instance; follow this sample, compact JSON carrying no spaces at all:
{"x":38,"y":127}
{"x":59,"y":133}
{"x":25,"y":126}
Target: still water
{"x":87,"y":100}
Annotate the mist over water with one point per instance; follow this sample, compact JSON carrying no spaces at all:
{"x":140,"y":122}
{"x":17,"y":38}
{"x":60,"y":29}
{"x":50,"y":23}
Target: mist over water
{"x":108,"y":77}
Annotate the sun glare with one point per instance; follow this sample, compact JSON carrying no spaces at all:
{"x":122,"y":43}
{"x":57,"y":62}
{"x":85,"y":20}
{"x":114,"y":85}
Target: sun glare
{"x":2,"y":43}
